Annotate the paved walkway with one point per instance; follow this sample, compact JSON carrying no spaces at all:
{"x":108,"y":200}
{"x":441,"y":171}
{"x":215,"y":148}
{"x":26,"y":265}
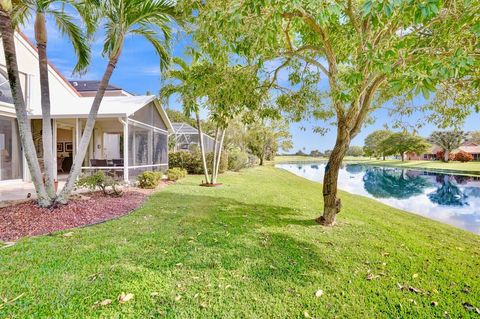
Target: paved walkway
{"x":19,"y":191}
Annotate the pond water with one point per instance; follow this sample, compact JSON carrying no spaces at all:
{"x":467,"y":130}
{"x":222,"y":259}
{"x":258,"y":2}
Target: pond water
{"x":451,"y":199}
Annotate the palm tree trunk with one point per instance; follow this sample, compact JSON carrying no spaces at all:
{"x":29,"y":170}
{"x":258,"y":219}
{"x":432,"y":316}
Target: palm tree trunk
{"x":202,"y":147}
{"x":332,"y":204}
{"x":47,"y":138}
{"x":87,"y":133}
{"x":219,"y":156}
{"x":20,"y":108}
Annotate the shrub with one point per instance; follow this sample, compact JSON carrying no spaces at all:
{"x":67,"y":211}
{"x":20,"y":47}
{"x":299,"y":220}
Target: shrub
{"x":237,"y":159}
{"x":176,"y":173}
{"x":149,"y":179}
{"x":101,"y":181}
{"x":192,"y":161}
{"x":223,"y":162}
{"x":463,"y":157}
{"x":441,"y":154}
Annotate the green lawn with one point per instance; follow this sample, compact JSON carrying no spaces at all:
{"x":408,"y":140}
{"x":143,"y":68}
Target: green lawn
{"x":297,"y":159}
{"x":470,"y":167}
{"x":249,"y":249}
{"x":309,"y":159}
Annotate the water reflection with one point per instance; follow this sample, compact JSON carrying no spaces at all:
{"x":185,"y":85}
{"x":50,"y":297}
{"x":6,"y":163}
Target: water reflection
{"x":452,"y":199}
{"x":448,"y":194}
{"x":392,"y":183}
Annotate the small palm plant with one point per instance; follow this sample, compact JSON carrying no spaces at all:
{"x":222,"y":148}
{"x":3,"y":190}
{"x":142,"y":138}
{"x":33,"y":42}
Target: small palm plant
{"x":150,"y":19}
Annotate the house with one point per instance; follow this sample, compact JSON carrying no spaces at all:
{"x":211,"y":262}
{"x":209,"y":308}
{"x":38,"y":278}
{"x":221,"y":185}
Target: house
{"x":472,"y":148}
{"x":430,"y":155}
{"x":469,"y":147}
{"x":90,"y":88}
{"x":130,"y":135}
{"x":186,"y":137}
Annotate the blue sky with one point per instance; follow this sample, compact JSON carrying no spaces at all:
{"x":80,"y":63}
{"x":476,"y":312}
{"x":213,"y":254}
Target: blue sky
{"x":138,"y":72}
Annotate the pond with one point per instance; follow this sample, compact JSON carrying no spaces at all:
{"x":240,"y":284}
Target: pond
{"x":448,"y":198}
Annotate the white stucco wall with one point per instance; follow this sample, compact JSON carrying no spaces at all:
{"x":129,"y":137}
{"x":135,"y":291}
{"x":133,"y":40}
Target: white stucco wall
{"x":60,"y":91}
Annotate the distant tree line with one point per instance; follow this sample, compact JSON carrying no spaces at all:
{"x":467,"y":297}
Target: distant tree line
{"x":383,"y":143}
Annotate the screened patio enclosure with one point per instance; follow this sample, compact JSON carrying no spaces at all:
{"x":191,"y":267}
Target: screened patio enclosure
{"x":130,"y":136}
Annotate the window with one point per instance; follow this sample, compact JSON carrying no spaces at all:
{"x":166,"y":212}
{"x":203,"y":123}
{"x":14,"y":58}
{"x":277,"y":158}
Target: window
{"x":5,"y":92}
{"x":10,"y":156}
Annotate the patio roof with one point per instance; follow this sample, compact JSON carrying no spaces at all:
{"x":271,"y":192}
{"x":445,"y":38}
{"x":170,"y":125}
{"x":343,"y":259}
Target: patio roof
{"x":114,"y":106}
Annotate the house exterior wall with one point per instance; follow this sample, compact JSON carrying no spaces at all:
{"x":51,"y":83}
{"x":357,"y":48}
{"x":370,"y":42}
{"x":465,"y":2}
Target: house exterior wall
{"x":30,"y":78}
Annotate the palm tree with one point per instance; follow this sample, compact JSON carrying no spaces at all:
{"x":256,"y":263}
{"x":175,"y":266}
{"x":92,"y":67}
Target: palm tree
{"x":22,"y":14}
{"x":7,"y":30}
{"x":187,"y":78}
{"x":150,"y":19}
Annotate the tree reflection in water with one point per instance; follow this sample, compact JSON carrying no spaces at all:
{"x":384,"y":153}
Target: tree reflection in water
{"x":448,"y":194}
{"x":383,"y":182}
{"x":355,"y":169}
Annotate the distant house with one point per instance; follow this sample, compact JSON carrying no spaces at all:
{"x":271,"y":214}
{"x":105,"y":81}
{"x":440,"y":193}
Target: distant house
{"x":431,"y":154}
{"x":186,"y":137}
{"x":472,"y":148}
{"x":90,"y":88}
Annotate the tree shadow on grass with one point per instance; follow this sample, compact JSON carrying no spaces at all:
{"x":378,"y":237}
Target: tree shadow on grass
{"x":171,"y":239}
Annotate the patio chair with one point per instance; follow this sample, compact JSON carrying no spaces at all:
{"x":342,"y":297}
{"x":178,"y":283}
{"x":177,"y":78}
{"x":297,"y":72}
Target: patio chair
{"x":98,"y":163}
{"x":117,"y":162}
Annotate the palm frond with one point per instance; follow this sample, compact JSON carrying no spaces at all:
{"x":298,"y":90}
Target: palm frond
{"x":21,"y":13}
{"x":161,"y":47}
{"x":69,"y":28}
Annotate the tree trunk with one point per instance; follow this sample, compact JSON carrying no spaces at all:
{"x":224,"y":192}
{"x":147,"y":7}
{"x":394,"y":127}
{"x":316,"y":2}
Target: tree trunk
{"x":47,"y":138}
{"x":202,"y":147}
{"x":20,"y":108}
{"x":219,"y":156}
{"x":215,"y":143}
{"x":403,"y":157}
{"x":446,"y":156}
{"x":261,"y":160}
{"x":87,"y":133}
{"x":332,"y":204}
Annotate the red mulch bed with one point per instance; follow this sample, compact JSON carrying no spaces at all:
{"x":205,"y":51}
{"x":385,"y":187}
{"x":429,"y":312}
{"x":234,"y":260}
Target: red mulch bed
{"x":27,"y":219}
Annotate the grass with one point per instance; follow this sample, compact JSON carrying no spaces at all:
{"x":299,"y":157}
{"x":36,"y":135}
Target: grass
{"x":472,"y":168}
{"x":469,"y":167}
{"x":309,"y":159}
{"x":249,"y":249}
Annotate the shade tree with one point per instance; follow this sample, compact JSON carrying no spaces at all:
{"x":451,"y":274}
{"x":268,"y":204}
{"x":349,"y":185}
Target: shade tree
{"x":401,"y":143}
{"x":357,"y":54}
{"x":373,"y":145}
{"x":267,"y":136}
{"x":355,"y":151}
{"x":447,"y":141}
